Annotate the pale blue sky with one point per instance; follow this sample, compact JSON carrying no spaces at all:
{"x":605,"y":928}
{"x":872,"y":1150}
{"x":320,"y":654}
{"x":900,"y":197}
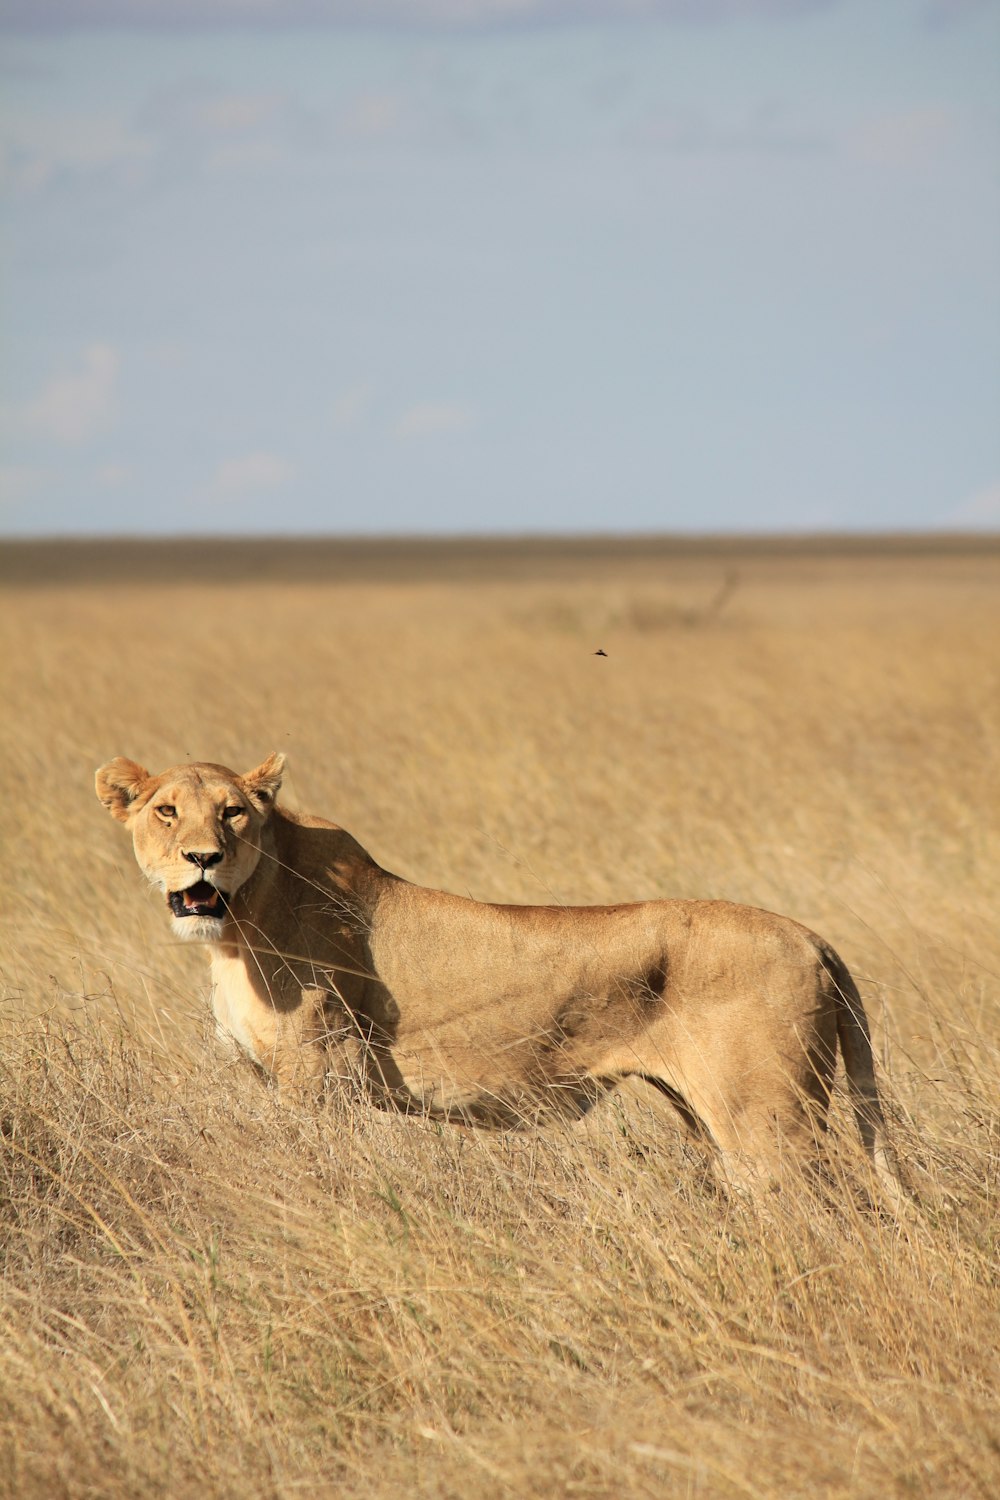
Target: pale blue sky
{"x":532,"y":266}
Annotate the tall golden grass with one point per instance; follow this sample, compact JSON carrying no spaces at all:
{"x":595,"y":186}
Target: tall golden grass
{"x":207,"y":1293}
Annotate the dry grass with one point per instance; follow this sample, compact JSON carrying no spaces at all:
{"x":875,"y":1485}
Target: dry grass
{"x":205,"y":1293}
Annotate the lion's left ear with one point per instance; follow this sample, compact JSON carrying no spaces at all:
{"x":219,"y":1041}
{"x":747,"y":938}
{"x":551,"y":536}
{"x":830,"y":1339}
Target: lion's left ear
{"x":118,"y":784}
{"x":261,"y":785}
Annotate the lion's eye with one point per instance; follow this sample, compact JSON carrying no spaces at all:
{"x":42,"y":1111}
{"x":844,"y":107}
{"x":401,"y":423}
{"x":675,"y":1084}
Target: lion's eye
{"x":167,"y":810}
{"x":232,"y":812}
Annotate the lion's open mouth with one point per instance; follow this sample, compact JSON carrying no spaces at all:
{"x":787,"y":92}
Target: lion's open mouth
{"x":199,"y":900}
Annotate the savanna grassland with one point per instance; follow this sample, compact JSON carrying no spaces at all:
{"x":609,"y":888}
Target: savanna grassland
{"x":208,"y":1293}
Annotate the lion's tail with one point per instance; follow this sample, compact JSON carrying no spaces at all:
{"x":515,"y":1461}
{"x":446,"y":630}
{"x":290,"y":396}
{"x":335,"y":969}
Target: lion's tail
{"x":856,"y":1046}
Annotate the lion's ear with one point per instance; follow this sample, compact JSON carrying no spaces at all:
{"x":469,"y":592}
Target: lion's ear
{"x":118,"y":784}
{"x":261,"y":785}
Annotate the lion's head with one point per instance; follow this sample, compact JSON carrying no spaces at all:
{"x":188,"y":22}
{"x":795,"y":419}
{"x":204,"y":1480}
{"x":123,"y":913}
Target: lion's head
{"x":196,"y":832}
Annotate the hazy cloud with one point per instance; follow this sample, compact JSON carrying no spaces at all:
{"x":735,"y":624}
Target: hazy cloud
{"x":74,"y":405}
{"x":38,"y":151}
{"x":685,"y":129}
{"x":18,"y":485}
{"x":352,"y":405}
{"x":236,"y":113}
{"x":113,"y":475}
{"x":430,"y":418}
{"x":200,"y":110}
{"x":251,"y":474}
{"x":905,"y":137}
{"x":947,"y":12}
{"x":980,"y":511}
{"x":36,"y":15}
{"x":373,"y":116}
{"x":220,"y":128}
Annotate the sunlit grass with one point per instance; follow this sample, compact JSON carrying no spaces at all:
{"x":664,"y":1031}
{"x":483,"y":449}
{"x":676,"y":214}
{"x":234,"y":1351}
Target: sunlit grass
{"x":207,"y":1292}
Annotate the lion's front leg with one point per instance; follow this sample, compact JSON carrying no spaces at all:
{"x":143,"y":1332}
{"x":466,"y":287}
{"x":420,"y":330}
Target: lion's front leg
{"x":312,"y":1040}
{"x":335,"y":1028}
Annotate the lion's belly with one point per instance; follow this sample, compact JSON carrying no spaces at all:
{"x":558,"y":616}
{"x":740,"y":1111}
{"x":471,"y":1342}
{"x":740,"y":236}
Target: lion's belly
{"x":459,"y":1078}
{"x":513,"y":1044}
{"x":451,"y":1068}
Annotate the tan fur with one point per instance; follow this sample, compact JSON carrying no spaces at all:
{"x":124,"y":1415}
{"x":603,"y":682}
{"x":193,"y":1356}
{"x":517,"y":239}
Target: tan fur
{"x":324,"y":963}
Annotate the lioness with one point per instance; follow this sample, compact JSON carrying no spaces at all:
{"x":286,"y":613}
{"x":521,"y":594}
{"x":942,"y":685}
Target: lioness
{"x":324,"y":962}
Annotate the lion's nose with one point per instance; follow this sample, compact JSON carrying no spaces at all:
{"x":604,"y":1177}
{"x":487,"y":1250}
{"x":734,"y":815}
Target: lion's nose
{"x":204,"y":861}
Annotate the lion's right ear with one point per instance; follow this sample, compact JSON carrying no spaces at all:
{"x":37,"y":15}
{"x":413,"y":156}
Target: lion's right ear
{"x":118,"y":784}
{"x":261,"y":785}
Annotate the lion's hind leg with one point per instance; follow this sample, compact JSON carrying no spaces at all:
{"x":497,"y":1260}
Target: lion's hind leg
{"x":755,"y":1142}
{"x":695,"y":1126}
{"x":759,"y":1153}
